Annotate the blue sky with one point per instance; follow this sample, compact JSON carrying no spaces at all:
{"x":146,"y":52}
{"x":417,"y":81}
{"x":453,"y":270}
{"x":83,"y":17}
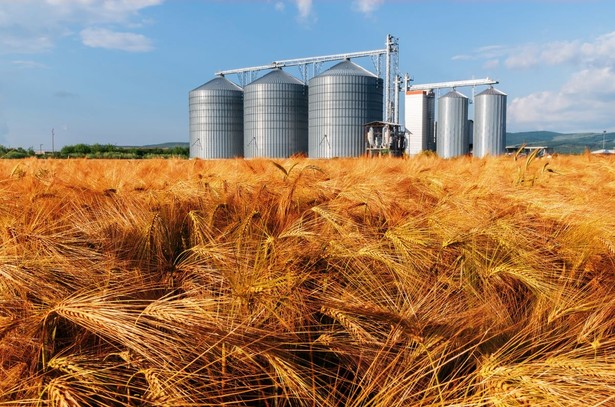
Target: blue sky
{"x":119,"y":71}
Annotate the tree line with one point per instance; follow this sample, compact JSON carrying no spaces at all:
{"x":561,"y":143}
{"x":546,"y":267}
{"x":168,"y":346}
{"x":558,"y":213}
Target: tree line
{"x":98,"y":151}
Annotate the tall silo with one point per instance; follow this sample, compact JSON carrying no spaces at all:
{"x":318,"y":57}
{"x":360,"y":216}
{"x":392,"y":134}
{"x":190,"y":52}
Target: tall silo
{"x":275,"y":116}
{"x":452,"y":140}
{"x":489,"y":123}
{"x":216,"y":120}
{"x":342,"y":99}
{"x":419,"y":121}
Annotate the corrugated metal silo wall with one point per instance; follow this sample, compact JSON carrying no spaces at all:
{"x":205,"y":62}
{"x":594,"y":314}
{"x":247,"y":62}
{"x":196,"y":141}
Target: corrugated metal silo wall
{"x":489,"y":123}
{"x":216,"y":123}
{"x":452,"y":139}
{"x":431,"y":119}
{"x":339,"y":107}
{"x":275,"y":120}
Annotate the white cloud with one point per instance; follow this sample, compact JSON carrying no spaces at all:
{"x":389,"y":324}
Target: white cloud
{"x":538,"y":109}
{"x":486,"y":52}
{"x":26,"y":64}
{"x":123,"y":41}
{"x":598,"y":52}
{"x":279,"y":6}
{"x":462,"y":57}
{"x":525,"y":57}
{"x":492,"y":64}
{"x":557,"y":53}
{"x":366,"y":6}
{"x":305,"y":8}
{"x":34,"y":26}
{"x":101,"y":11}
{"x":585,"y":102}
{"x":601,"y":51}
{"x":492,"y":50}
{"x":17,"y":43}
{"x":592,"y":81}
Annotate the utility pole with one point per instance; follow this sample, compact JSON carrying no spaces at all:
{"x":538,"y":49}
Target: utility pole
{"x":53,"y":150}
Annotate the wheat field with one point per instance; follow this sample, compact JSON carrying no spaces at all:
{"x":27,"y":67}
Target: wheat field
{"x":349,"y":282}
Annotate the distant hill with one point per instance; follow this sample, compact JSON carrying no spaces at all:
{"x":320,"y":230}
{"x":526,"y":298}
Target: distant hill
{"x":566,"y":143}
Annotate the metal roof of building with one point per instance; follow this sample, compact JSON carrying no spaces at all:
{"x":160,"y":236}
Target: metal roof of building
{"x":277,"y":76}
{"x":219,"y":83}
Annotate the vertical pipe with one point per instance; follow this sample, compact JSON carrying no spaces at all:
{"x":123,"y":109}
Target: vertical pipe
{"x":397,"y":86}
{"x":387,"y":85}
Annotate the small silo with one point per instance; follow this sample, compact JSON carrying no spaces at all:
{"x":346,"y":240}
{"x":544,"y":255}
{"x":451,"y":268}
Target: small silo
{"x":342,"y":99}
{"x":452,"y":139}
{"x":275,"y":116}
{"x":216,"y":120}
{"x":489,"y":123}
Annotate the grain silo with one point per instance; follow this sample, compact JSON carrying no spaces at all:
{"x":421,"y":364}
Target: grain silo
{"x":452,"y":139}
{"x":275,"y":116}
{"x":216,"y":120}
{"x":342,"y":100}
{"x":489,"y":123}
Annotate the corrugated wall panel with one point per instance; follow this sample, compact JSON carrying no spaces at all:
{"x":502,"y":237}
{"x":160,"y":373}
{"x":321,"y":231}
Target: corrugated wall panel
{"x":419,"y":122}
{"x":431,"y":129}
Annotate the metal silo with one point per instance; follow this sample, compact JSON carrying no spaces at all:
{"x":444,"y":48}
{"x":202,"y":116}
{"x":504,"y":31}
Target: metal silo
{"x":216,"y":120}
{"x":452,"y":139}
{"x":342,"y":99}
{"x":489,"y":123}
{"x":275,"y":116}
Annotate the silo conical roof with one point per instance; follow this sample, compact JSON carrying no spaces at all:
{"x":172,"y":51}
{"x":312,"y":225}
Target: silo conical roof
{"x":219,"y":83}
{"x":454,"y":94}
{"x":347,"y":68}
{"x":277,"y":76}
{"x":492,"y":91}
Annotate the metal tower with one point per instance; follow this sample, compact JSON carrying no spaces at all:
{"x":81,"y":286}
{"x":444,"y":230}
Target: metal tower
{"x":392,"y":80}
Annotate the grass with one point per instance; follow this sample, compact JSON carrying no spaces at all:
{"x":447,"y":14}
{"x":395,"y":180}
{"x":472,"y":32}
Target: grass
{"x":356,"y":282}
